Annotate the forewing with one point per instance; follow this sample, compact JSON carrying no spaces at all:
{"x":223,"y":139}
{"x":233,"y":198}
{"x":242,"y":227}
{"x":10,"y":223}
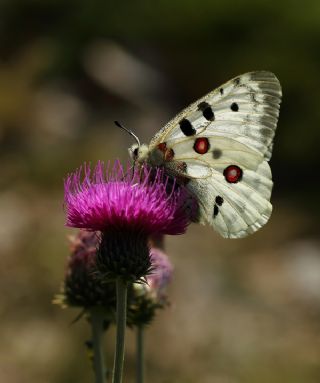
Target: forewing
{"x":245,"y":109}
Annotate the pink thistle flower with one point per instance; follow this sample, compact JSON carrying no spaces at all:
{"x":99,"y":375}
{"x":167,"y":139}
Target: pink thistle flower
{"x":125,"y":200}
{"x":146,"y":299}
{"x":161,"y":274}
{"x":126,"y":206}
{"x":82,"y":286}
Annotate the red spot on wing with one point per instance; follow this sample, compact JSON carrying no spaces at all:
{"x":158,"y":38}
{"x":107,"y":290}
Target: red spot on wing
{"x":201,"y":145}
{"x":232,"y":174}
{"x":169,"y":154}
{"x":162,"y":147}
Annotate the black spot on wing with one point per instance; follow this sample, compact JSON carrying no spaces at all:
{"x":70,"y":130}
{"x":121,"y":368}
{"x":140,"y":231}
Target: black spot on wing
{"x":234,"y":107}
{"x":216,"y":153}
{"x":215,"y":211}
{"x":236,"y":81}
{"x":187,"y":128}
{"x":206,"y":111}
{"x":208,"y":114}
{"x":219,"y":200}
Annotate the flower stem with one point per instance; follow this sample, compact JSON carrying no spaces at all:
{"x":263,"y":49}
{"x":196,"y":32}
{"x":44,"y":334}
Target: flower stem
{"x":97,"y":335}
{"x":121,"y":327}
{"x":140,"y":354}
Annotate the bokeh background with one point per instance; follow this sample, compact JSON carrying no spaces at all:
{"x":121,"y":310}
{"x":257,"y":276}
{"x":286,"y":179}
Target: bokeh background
{"x":243,"y":311}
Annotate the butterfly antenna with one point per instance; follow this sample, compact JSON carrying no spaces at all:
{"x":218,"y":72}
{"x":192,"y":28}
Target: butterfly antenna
{"x":128,"y":131}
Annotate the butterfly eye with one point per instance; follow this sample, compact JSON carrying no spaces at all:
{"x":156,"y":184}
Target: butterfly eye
{"x":135,"y":152}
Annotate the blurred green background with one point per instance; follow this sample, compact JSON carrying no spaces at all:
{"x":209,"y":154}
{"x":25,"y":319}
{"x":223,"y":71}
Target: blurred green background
{"x":243,"y":311}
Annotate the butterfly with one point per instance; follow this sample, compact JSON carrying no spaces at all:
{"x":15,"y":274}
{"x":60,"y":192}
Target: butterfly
{"x":219,"y":147}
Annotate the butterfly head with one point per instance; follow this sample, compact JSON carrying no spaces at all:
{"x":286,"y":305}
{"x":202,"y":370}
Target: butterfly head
{"x":139,"y":153}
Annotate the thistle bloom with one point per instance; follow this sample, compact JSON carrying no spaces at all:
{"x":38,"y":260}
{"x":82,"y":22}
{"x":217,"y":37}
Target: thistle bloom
{"x":161,"y":274}
{"x":126,"y":206}
{"x":120,"y":199}
{"x":82,"y":286}
{"x":147,"y":298}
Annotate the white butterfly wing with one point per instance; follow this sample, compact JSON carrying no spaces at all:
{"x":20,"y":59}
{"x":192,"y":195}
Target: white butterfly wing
{"x":235,"y":210}
{"x":222,"y":151}
{"x":222,"y":143}
{"x":245,"y":109}
{"x":233,"y":189}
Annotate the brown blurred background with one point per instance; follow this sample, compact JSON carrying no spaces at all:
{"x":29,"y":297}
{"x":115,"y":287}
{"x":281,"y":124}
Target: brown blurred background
{"x":243,"y":311}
